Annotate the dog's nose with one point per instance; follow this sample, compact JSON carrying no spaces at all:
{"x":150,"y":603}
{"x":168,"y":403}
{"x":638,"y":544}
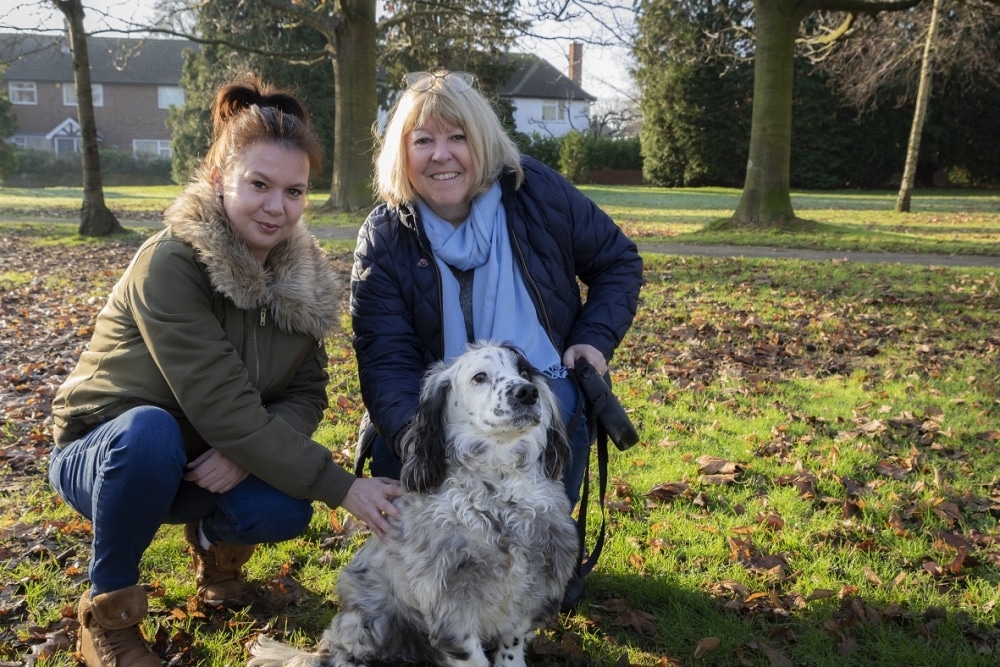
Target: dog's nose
{"x":526,"y":394}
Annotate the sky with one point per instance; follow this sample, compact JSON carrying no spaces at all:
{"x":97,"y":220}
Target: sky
{"x":605,"y":69}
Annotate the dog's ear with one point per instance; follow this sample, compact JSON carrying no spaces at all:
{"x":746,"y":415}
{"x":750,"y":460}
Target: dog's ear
{"x":423,"y":445}
{"x":556,"y":455}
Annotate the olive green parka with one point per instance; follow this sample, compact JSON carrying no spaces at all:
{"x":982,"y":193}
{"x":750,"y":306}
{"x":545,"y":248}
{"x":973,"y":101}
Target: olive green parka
{"x":232,"y":349}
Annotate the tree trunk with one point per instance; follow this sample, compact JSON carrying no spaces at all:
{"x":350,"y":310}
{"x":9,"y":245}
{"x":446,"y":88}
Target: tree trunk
{"x":95,"y":217}
{"x":766,"y":201}
{"x":919,"y":115}
{"x":356,"y":107}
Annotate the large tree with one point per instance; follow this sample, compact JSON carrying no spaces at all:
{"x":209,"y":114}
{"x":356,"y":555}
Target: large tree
{"x":775,"y":27}
{"x":766,"y":200}
{"x":696,"y":98}
{"x":96,"y":219}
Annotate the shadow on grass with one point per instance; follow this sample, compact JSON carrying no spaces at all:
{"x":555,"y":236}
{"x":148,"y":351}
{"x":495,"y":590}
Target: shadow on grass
{"x":666,"y":622}
{"x":64,"y":233}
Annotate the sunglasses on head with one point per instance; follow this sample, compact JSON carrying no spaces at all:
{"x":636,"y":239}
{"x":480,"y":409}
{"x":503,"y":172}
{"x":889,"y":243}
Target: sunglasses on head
{"x":457,"y":82}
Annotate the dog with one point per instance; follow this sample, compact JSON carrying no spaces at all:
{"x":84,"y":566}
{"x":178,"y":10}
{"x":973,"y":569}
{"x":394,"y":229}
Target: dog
{"x":484,"y":546}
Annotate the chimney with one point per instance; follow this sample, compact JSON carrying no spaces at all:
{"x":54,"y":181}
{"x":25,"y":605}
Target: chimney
{"x":576,"y":63}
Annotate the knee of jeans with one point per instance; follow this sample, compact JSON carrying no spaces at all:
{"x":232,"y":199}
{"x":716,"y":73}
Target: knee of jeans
{"x":156,"y":431}
{"x":153,"y":418}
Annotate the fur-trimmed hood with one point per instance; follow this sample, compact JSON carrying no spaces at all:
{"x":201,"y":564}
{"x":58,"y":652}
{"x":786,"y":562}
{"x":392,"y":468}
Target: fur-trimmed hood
{"x":298,"y":285}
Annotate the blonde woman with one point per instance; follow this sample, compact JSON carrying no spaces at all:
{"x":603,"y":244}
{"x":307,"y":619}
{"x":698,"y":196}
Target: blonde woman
{"x":476,"y":242}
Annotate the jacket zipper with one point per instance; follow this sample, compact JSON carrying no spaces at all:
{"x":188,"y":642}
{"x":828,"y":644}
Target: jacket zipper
{"x":437,"y":270}
{"x":256,"y":346}
{"x":539,"y":302}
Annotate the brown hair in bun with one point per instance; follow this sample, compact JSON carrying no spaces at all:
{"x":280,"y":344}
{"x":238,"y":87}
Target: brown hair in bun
{"x":248,"y":111}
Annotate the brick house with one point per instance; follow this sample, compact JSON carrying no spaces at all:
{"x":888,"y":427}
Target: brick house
{"x":135,"y":81}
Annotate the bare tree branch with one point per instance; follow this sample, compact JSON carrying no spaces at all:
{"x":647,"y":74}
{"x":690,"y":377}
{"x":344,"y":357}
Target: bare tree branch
{"x":883,"y":52}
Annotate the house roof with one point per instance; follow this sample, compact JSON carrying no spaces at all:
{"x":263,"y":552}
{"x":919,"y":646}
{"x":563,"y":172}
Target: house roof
{"x":537,"y":78}
{"x":34,"y":57}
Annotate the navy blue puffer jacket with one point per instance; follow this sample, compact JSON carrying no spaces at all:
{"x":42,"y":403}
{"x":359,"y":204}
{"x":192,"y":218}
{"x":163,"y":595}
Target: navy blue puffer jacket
{"x":558,"y":234}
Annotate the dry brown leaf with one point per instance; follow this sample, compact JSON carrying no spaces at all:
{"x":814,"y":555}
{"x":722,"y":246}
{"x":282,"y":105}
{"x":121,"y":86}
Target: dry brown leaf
{"x":871,"y":575}
{"x":706,"y":646}
{"x":711,"y":465}
{"x":821,"y":594}
{"x":717,"y":479}
{"x":641,"y":622}
{"x":668,"y":491}
{"x":774,"y":656}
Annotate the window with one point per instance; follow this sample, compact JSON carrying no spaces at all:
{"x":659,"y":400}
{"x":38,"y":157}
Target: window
{"x":35,"y":143}
{"x":553,"y":111}
{"x":66,"y":145}
{"x":169,"y":96}
{"x":69,"y":94}
{"x":22,"y":92}
{"x":151,"y":148}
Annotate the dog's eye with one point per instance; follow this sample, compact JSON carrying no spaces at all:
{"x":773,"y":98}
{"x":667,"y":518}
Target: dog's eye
{"x":480,"y":378}
{"x":526,"y":375}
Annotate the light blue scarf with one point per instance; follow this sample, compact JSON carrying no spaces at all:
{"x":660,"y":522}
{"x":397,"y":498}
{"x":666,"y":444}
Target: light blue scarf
{"x":501,"y":307}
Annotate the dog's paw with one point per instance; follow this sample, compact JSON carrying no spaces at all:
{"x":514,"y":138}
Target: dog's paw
{"x":510,"y":653}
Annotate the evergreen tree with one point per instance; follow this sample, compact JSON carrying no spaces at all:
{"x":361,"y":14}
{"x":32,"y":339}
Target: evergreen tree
{"x":696,"y":101}
{"x":696,"y":125}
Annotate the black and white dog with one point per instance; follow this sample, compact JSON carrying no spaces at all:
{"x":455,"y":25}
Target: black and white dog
{"x":485,"y":544}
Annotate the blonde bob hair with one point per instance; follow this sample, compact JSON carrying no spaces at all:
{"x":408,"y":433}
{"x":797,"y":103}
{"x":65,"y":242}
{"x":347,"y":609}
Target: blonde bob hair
{"x":491,"y":149}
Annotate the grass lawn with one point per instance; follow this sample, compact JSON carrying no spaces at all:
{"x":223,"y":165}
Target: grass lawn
{"x":816,"y":482}
{"x":942,"y":221}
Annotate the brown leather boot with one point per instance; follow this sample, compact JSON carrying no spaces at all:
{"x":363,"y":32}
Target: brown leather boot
{"x":109,"y":629}
{"x":218,"y":570}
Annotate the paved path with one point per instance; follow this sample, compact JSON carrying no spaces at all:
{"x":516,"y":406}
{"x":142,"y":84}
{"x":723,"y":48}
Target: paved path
{"x":842,"y":255}
{"x":350,"y":234}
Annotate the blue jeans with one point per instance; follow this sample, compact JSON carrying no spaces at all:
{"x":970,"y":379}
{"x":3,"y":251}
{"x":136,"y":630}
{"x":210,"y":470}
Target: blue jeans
{"x":385,"y":463}
{"x":126,"y":476}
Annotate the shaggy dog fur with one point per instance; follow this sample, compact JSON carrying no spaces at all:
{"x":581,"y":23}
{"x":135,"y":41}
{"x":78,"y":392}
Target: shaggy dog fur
{"x":485,"y":544}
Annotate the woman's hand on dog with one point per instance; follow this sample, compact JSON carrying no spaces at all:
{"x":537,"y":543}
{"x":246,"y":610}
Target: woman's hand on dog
{"x":370,"y":499}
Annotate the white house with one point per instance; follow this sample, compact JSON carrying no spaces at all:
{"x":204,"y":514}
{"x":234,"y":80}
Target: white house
{"x":545,"y":100}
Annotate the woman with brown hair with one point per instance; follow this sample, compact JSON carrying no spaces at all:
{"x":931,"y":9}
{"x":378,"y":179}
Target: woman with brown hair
{"x":206,"y":375}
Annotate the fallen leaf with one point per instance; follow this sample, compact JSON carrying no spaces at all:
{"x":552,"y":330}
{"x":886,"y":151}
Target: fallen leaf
{"x":706,"y":646}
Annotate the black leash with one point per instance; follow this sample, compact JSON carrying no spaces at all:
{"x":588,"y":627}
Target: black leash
{"x":587,"y":561}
